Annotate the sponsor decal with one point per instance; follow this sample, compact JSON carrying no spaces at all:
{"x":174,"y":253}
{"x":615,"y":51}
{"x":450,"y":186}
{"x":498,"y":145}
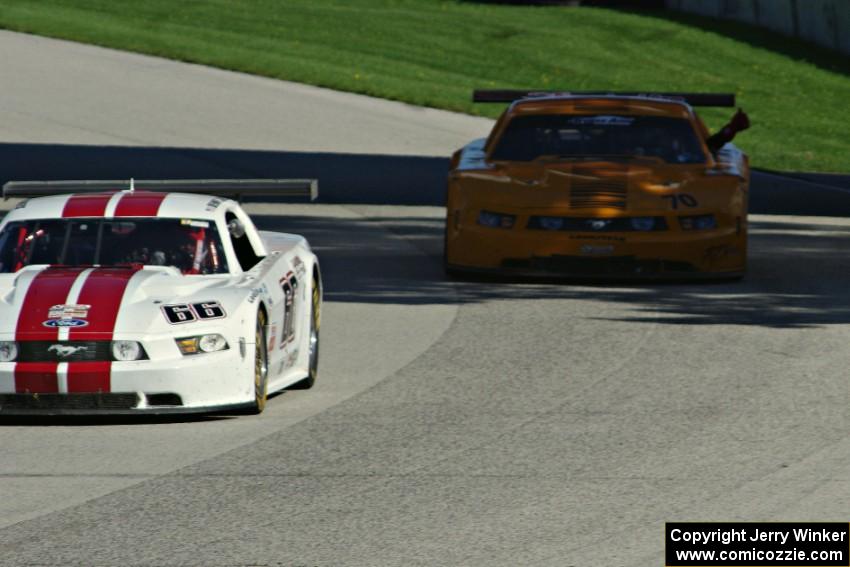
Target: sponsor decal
{"x":195,"y":223}
{"x":257,"y":291}
{"x":299,"y":266}
{"x":272,"y":336}
{"x":601,"y":120}
{"x":291,"y":358}
{"x":288,"y":361}
{"x":597,"y":250}
{"x":213,"y":204}
{"x":58,"y":323}
{"x":597,"y":237}
{"x":289,"y":286}
{"x":68,"y":311}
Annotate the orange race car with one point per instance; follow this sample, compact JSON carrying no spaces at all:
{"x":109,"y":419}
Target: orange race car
{"x":600,"y":185}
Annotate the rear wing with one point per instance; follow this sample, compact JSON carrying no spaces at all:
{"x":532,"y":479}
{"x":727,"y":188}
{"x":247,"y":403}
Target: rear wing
{"x":693,"y":99}
{"x":235,"y":188}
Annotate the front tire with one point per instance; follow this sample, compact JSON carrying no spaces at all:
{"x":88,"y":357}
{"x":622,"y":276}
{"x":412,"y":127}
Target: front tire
{"x":261,"y":365}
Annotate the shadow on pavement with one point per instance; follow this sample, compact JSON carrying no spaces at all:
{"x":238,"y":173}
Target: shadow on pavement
{"x":799,"y":275}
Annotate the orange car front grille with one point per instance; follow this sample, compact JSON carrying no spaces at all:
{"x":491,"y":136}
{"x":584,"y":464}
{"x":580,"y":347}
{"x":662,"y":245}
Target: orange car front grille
{"x":597,"y":194}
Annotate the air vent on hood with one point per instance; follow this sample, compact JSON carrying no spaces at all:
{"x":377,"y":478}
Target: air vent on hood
{"x":594,"y":187}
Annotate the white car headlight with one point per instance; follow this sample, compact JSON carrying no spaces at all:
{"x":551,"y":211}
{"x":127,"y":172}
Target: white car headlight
{"x":202,"y":343}
{"x":8,"y":351}
{"x":126,"y":350}
{"x":212,"y":343}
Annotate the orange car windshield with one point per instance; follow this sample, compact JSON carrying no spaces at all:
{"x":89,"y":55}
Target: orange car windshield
{"x":191,"y":246}
{"x":593,"y":136}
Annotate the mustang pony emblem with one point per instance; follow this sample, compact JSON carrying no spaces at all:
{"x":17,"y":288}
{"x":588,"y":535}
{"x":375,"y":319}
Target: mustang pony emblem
{"x":65,"y":351}
{"x":598,"y":224}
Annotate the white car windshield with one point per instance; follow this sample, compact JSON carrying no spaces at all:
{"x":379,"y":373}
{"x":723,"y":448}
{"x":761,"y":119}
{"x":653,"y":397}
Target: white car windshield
{"x":192,"y":246}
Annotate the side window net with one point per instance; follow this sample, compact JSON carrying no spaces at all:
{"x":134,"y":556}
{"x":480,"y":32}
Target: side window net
{"x":245,"y":253}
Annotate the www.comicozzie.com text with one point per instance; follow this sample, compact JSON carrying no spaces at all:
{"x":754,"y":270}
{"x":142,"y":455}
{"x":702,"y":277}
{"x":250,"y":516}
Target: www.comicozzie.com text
{"x":727,"y":536}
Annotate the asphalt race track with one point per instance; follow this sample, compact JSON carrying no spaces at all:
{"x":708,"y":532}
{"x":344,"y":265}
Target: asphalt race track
{"x":486,"y":423}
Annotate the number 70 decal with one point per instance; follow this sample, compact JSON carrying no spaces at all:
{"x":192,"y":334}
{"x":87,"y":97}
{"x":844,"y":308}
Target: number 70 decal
{"x":681,"y":198}
{"x":187,"y":312}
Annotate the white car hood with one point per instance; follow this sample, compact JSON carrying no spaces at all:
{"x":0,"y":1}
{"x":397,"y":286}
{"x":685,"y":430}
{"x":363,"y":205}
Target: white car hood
{"x":60,"y":303}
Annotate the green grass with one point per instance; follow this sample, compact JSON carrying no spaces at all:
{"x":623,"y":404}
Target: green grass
{"x":433,"y":53}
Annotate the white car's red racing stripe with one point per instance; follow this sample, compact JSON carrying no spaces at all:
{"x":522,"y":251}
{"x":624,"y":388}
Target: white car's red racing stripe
{"x":86,"y":205}
{"x":130,"y":204}
{"x":48,"y":288}
{"x":103,"y":289}
{"x":139,"y":204}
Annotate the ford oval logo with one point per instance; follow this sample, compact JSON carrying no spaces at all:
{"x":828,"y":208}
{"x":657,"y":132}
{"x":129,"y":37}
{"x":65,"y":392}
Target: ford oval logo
{"x":65,"y":323}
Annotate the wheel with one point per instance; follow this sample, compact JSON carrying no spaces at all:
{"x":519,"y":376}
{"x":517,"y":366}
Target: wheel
{"x":315,"y":321}
{"x":261,"y":365}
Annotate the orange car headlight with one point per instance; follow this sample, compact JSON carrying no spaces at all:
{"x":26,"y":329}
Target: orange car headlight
{"x":496,"y":220}
{"x":643,"y":223}
{"x":698,"y":222}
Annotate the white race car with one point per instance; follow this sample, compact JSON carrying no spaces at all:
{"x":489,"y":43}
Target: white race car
{"x":156,"y":299}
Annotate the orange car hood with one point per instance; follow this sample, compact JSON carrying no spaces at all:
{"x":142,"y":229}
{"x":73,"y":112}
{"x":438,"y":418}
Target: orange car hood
{"x":600,"y":184}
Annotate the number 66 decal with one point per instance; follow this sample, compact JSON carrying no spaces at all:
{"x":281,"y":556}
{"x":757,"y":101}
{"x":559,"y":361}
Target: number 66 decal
{"x":186,"y":313}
